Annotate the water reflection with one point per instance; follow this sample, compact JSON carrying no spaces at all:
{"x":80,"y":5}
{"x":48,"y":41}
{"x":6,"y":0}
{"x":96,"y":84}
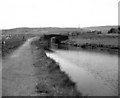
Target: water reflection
{"x":60,"y":46}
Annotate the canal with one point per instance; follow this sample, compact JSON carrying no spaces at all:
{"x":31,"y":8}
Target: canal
{"x":95,"y":73}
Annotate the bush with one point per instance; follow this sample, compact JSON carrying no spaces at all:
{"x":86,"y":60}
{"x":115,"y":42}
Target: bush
{"x":12,"y":43}
{"x":113,"y":31}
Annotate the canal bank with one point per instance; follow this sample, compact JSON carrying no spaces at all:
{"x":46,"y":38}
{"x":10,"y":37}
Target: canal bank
{"x":52,"y":81}
{"x":95,"y":47}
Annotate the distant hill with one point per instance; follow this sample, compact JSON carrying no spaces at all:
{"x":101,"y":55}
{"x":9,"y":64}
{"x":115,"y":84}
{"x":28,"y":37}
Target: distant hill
{"x":103,"y":29}
{"x":49,"y":30}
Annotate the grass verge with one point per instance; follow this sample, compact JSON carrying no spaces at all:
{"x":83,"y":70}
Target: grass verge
{"x":51,"y":80}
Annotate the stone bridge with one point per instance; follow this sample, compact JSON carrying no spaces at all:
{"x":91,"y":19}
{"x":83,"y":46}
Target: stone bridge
{"x":55,"y":38}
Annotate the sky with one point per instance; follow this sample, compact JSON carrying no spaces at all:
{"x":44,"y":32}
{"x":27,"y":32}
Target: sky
{"x":57,"y":13}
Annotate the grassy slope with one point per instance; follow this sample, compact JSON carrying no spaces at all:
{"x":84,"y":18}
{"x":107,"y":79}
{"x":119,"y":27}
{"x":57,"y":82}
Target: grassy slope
{"x":94,"y":42}
{"x":11,"y":44}
{"x":47,"y":30}
{"x":52,"y":81}
{"x":104,"y":29}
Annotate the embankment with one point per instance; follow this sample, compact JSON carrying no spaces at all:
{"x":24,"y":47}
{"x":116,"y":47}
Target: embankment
{"x":51,"y":80}
{"x":9,"y":44}
{"x":111,"y":49}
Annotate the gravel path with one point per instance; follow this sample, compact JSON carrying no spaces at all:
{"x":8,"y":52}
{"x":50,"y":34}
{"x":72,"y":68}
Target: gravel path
{"x":18,"y":73}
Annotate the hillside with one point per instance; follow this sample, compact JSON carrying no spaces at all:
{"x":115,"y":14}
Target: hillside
{"x":103,"y":29}
{"x":39,"y":30}
{"x":48,"y":30}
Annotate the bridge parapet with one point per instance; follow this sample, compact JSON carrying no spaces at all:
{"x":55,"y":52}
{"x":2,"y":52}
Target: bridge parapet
{"x":57,"y":38}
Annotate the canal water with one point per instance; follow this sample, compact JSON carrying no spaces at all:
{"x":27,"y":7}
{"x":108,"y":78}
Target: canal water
{"x":95,"y":74}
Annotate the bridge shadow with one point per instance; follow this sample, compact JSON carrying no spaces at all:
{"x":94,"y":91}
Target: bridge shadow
{"x":54,"y":40}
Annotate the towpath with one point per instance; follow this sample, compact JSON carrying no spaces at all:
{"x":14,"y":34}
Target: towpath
{"x":18,"y":72}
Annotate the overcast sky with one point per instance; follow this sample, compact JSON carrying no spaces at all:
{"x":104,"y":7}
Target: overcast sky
{"x":57,"y":13}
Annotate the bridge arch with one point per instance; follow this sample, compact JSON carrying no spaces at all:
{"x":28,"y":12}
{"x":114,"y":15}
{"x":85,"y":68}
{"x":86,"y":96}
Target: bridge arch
{"x":56,"y":38}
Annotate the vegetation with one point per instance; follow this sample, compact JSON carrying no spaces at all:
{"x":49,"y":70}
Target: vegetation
{"x":11,"y":42}
{"x":96,"y":41}
{"x":114,"y":31}
{"x":52,"y":81}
